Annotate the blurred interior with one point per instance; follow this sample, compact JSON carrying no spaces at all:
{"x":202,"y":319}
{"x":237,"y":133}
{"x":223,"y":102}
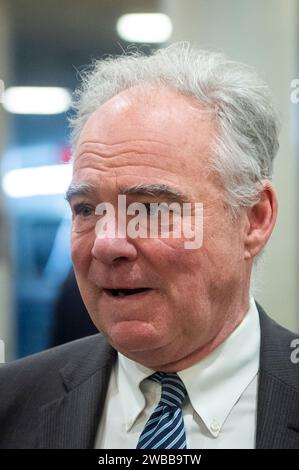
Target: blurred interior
{"x":47,"y":44}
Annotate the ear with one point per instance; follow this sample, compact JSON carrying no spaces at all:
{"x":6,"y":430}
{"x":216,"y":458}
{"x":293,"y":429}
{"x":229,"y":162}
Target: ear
{"x":260,"y":221}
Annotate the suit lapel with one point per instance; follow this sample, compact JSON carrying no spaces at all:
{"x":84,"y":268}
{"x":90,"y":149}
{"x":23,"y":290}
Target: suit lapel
{"x":278,"y":392}
{"x":278,"y":415}
{"x":71,"y":421}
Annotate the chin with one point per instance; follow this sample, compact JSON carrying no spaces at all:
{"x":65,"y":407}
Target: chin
{"x":134,"y":336}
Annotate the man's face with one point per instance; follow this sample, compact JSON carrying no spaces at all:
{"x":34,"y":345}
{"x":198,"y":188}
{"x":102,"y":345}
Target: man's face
{"x":194,"y":297}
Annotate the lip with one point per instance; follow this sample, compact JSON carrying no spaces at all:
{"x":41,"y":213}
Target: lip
{"x":124,"y":286}
{"x":126,"y":298}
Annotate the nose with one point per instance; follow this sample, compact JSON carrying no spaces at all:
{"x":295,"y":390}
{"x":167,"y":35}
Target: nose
{"x":108,"y":250}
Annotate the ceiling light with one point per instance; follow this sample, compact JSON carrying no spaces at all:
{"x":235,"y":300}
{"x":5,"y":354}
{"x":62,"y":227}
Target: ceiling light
{"x":144,"y":27}
{"x":37,"y":181}
{"x":36,"y":100}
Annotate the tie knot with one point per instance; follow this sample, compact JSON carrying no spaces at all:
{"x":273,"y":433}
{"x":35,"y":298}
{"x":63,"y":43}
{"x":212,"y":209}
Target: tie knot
{"x":173,"y":391}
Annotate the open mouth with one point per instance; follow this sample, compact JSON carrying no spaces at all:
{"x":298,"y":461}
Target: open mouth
{"x":126,"y":292}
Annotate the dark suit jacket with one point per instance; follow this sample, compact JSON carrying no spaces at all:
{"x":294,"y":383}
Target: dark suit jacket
{"x":54,"y":399}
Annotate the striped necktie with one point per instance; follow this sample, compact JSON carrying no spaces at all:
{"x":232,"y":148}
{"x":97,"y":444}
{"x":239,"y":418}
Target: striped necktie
{"x":165,"y":427}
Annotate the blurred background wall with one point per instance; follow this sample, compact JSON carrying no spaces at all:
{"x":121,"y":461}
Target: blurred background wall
{"x":6,"y":314}
{"x":46,"y":44}
{"x":265,"y":34}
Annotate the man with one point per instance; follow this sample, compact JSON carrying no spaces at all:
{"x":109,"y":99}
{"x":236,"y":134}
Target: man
{"x":185,"y":359}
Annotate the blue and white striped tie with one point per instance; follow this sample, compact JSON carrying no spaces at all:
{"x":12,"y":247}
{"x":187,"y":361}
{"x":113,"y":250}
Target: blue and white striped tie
{"x":165,"y":427}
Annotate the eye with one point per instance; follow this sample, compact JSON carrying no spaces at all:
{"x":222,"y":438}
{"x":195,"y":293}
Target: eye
{"x":152,"y":208}
{"x":147,"y":205}
{"x":84,"y":210}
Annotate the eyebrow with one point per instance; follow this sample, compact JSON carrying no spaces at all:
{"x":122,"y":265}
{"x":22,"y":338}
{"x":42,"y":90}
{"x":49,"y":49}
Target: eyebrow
{"x":84,"y":189}
{"x":155,"y":190}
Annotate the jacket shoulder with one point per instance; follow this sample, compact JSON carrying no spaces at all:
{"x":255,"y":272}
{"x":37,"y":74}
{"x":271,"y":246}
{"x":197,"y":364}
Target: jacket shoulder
{"x":277,"y":351}
{"x":49,"y":360}
{"x":29,"y":383}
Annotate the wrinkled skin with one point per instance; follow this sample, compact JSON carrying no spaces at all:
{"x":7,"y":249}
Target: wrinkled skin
{"x":197,"y":297}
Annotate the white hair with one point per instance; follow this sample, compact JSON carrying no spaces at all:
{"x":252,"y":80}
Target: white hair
{"x":246,"y":140}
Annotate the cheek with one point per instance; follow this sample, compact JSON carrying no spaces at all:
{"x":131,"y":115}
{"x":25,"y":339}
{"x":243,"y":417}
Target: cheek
{"x":174,"y":264}
{"x":166,"y":249}
{"x":81,"y":247}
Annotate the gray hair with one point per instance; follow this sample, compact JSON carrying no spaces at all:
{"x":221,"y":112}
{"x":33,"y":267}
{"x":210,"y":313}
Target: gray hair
{"x":246,"y":141}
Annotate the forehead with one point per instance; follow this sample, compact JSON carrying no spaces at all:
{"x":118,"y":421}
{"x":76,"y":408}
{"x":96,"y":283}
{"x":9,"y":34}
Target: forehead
{"x":158,"y":114}
{"x":144,"y":136}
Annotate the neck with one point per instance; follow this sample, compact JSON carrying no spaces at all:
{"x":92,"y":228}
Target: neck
{"x":203,"y":351}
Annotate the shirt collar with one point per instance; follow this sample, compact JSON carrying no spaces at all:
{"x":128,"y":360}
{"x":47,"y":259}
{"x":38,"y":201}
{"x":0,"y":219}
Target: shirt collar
{"x":214,"y":384}
{"x":129,"y":376}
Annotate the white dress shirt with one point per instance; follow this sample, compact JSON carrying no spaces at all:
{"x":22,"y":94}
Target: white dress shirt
{"x":222,"y":391}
